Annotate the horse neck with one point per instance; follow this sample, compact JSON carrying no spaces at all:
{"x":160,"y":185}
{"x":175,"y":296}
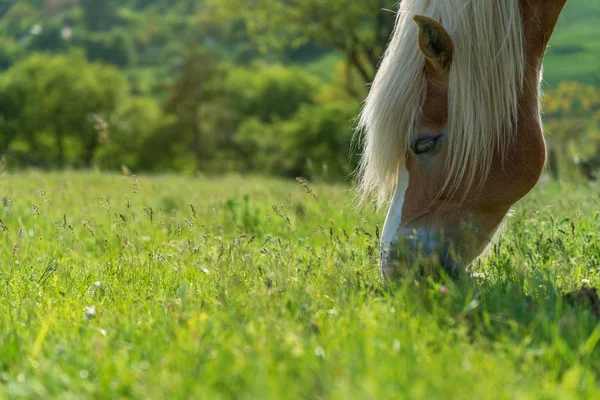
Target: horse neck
{"x":539,"y":19}
{"x":529,"y":151}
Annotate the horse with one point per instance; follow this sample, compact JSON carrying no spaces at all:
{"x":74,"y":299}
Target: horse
{"x":451,"y":129}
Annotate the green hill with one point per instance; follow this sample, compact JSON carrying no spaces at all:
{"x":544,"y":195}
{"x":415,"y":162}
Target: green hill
{"x":574,"y":51}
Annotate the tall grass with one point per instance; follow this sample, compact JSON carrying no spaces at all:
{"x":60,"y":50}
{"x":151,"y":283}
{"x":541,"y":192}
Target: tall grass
{"x":172,"y":287}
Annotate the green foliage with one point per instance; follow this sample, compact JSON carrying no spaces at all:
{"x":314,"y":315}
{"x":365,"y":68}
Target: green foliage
{"x":359,"y":30}
{"x":270,"y":92}
{"x":354,"y":31}
{"x":49,"y":39}
{"x":197,"y":84}
{"x":314,"y":142}
{"x":100,"y":15}
{"x":222,"y":85}
{"x":50,"y":108}
{"x":278,"y":127}
{"x":9,"y":52}
{"x":18,"y":18}
{"x":179,"y":288}
{"x":114,"y":47}
{"x":572,"y":119}
{"x":572,"y":112}
{"x":128,"y":135}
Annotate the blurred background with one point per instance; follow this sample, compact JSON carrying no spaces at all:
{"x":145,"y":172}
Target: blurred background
{"x":218,"y":86}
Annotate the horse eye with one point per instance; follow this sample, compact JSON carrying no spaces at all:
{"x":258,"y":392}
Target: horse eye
{"x":425,"y":145}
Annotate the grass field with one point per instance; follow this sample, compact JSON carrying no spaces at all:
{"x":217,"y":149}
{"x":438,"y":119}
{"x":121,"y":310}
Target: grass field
{"x":173,"y":287}
{"x":574,"y":49}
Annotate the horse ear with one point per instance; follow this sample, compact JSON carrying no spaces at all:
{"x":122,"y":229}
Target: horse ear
{"x":435,"y":43}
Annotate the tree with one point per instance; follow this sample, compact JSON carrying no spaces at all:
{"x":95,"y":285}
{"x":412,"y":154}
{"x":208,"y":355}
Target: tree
{"x":572,"y":118}
{"x":114,"y":47}
{"x":51,"y":108}
{"x":269,"y":92}
{"x":100,"y":15}
{"x":5,"y":7}
{"x":9,"y":52}
{"x":358,"y":29}
{"x":262,"y":93}
{"x":198,"y":77}
{"x":131,"y":129}
{"x":314,"y":142}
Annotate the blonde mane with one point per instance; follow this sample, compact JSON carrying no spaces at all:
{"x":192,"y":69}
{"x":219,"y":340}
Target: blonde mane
{"x":484,"y":84}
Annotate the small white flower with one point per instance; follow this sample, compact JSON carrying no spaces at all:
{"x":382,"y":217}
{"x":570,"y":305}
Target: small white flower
{"x":90,"y":312}
{"x":320,"y":352}
{"x":585,"y":281}
{"x":396,"y":345}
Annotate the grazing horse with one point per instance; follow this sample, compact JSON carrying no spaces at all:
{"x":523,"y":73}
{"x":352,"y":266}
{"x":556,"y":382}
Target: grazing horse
{"x":452,"y":134}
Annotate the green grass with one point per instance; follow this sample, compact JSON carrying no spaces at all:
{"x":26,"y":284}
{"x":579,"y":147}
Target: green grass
{"x":574,"y":50}
{"x":114,"y":287}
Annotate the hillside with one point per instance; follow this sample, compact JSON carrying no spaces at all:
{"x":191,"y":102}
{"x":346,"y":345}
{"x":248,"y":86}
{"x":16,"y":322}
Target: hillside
{"x":574,"y":52}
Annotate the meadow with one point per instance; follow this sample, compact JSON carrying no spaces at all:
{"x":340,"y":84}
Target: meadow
{"x":158,"y":287}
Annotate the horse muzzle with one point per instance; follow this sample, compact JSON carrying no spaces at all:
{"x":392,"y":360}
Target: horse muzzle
{"x":420,"y":251}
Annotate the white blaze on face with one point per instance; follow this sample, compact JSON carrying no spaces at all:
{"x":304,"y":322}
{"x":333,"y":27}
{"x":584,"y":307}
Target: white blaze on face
{"x":394,"y":215}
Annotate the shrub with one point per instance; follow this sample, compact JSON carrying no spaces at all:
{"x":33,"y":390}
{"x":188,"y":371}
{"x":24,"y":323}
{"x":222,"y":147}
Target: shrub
{"x":270,"y":92}
{"x":128,"y":132}
{"x":314,"y":142}
{"x":49,"y":109}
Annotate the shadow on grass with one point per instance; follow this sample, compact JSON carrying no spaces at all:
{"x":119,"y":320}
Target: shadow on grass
{"x":505,"y":310}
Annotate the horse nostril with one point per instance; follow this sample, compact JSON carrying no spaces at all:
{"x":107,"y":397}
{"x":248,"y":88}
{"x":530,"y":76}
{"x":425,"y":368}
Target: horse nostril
{"x":448,"y":263}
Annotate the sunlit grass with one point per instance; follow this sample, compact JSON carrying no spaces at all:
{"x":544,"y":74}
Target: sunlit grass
{"x":173,"y":287}
{"x":573,"y":51}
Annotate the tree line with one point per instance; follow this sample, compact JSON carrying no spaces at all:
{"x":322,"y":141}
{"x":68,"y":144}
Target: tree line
{"x":212,"y":86}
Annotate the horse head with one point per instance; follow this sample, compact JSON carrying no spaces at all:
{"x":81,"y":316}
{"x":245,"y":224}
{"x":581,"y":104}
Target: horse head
{"x":452,"y":129}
